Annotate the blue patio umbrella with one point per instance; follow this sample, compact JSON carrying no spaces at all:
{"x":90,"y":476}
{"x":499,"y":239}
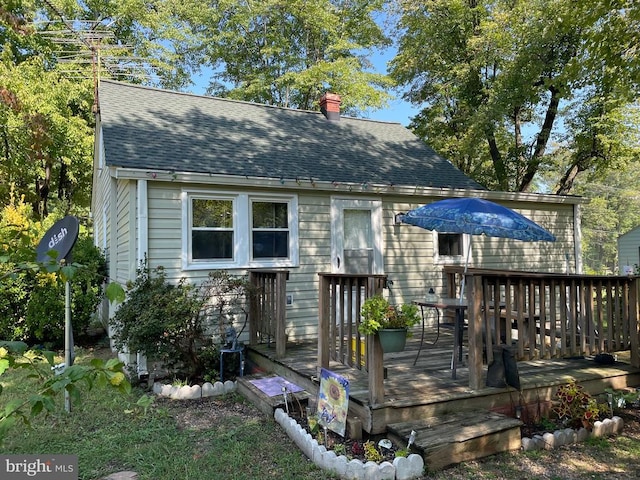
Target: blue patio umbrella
{"x":476,"y":216}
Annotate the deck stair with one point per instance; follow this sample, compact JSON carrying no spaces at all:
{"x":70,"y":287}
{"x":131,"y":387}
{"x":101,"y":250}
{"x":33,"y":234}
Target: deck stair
{"x":458,"y":437}
{"x":268,"y":404}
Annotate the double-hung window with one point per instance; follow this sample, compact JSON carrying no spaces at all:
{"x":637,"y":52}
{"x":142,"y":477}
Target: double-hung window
{"x":449,"y":248}
{"x":239,"y":230}
{"x":269,"y":229}
{"x":212,"y":233}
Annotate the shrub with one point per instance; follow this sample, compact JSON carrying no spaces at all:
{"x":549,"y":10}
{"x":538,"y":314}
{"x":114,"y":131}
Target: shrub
{"x":173,"y":322}
{"x":44,"y":308}
{"x":32,"y":300}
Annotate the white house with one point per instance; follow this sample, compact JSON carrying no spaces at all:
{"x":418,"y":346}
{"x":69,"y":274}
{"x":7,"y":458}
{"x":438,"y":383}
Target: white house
{"x":299,"y":190}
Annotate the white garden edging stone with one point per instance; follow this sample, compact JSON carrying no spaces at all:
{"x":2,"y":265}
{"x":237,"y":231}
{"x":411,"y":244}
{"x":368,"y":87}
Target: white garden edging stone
{"x":568,"y":436}
{"x":402,"y":468}
{"x":194,"y":392}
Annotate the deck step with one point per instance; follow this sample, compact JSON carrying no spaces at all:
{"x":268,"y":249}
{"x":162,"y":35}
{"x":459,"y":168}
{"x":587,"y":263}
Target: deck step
{"x":459,"y":437}
{"x":268,"y":404}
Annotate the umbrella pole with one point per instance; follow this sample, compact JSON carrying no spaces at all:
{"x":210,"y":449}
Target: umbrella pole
{"x":459,"y":320}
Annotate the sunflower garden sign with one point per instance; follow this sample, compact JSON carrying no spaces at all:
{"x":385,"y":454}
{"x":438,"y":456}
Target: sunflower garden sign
{"x":333,"y":401}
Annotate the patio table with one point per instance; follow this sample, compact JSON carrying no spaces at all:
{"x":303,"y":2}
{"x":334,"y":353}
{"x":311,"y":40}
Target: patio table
{"x":446,"y":304}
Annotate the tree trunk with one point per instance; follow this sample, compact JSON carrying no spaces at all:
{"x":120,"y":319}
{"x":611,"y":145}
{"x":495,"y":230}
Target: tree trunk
{"x":541,"y":142}
{"x":498,"y":162}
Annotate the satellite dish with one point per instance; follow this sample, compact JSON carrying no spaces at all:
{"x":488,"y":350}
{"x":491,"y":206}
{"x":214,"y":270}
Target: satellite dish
{"x":59,"y":239}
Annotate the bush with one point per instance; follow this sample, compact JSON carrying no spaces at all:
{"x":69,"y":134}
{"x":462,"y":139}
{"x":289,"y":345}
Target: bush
{"x":45,"y":312}
{"x":180,"y":324}
{"x":32,"y":297}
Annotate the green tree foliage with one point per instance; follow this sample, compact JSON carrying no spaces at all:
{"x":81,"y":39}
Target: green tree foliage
{"x":46,"y":145}
{"x":287,"y":53}
{"x":45,"y":119}
{"x":32,"y":296}
{"x":508,"y":85}
{"x":613,"y":210}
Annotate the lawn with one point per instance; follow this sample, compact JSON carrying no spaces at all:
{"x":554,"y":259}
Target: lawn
{"x":216,"y":438}
{"x":228,"y":438}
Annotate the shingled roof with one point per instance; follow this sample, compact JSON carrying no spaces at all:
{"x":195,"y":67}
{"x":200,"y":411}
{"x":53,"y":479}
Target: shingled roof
{"x":147,"y":128}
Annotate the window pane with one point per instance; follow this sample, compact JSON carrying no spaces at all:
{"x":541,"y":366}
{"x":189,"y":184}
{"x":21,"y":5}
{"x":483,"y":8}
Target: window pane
{"x":270,"y":244}
{"x":357,"y":229}
{"x":212,"y":213}
{"x":270,"y":215}
{"x":211,"y":244}
{"x":450,"y":244}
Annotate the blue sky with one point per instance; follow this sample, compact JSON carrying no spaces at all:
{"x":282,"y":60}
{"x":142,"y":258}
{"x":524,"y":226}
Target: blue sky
{"x":397,"y":111}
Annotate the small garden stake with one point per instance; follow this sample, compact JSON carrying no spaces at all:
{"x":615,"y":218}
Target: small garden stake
{"x":286,"y":403}
{"x":412,"y":438}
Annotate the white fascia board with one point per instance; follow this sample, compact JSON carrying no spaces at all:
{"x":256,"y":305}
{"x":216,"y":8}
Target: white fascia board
{"x":343,"y":188}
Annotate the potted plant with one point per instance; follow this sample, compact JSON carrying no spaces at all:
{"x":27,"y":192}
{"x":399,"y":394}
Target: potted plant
{"x":390,"y":322}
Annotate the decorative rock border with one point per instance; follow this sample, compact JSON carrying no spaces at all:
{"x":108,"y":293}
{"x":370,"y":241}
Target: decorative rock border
{"x":402,"y":468}
{"x":187,"y":392}
{"x":568,"y":436}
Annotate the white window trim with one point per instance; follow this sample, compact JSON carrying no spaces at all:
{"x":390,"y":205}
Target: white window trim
{"x":449,"y":259}
{"x":242,"y":234}
{"x":338,"y":205}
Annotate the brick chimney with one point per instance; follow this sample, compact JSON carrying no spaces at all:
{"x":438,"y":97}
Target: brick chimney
{"x":330,"y":106}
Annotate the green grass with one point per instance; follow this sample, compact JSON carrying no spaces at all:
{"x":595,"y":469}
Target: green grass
{"x":227,"y":438}
{"x":109,"y":433}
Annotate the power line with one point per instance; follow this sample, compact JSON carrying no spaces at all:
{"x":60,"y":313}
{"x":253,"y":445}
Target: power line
{"x":91,"y":43}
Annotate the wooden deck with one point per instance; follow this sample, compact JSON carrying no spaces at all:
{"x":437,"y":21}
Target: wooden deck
{"x":426,"y":389}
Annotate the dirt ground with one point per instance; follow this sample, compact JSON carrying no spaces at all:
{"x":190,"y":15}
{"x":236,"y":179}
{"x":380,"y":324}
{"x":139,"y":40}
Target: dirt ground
{"x":610,"y":458}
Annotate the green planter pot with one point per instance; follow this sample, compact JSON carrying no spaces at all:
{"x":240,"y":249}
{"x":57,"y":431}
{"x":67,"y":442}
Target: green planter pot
{"x":393,"y":339}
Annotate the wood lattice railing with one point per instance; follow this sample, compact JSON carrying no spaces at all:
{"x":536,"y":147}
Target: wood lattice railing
{"x":541,"y":316}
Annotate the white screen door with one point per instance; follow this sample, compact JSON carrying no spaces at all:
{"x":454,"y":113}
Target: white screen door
{"x":356,"y":236}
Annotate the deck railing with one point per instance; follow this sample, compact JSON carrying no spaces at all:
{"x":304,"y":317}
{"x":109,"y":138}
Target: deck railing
{"x":340,"y":300}
{"x":538,"y":315}
{"x":547,"y":315}
{"x":267,"y":309}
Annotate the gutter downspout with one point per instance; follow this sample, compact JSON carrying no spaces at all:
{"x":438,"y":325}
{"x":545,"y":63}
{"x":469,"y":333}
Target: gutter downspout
{"x":141,"y":254}
{"x":577,"y":237}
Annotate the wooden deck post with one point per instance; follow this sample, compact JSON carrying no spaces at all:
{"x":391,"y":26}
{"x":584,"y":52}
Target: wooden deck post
{"x":323,"y":323}
{"x":375,"y":363}
{"x":474,"y":305}
{"x":281,"y":313}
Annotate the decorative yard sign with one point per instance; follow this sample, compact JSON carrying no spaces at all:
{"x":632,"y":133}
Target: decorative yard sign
{"x":59,"y":240}
{"x":333,"y":401}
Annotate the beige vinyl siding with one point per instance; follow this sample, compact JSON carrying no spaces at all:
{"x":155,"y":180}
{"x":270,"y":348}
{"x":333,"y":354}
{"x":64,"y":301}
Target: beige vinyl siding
{"x":165,"y":230}
{"x":409,"y":250}
{"x":100,"y":198}
{"x":125,"y":231}
{"x":101,"y":215}
{"x":315,"y":256}
{"x":629,"y":250}
{"x":165,"y":249}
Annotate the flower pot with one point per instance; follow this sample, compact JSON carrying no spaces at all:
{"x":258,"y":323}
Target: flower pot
{"x":392,"y":339}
